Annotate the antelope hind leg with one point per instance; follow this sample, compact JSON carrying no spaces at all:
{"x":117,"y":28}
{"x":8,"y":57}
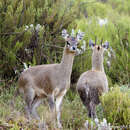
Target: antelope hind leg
{"x":51,"y":102}
{"x":93,"y":110}
{"x":35,"y":104}
{"x":37,"y":101}
{"x":29,"y":96}
{"x":58,"y":107}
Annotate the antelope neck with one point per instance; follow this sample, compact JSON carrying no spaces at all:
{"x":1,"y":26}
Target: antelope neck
{"x":97,"y":64}
{"x":67,"y":62}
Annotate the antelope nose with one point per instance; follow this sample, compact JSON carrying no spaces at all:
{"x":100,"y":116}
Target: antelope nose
{"x":74,"y":48}
{"x":98,"y":48}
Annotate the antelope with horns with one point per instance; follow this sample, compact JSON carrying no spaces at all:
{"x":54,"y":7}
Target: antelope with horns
{"x":93,"y":83}
{"x":49,"y":81}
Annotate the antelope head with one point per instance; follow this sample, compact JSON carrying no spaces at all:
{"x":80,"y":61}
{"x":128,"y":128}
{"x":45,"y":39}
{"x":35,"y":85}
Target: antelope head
{"x":99,"y":49}
{"x":97,"y":54}
{"x":72,"y":41}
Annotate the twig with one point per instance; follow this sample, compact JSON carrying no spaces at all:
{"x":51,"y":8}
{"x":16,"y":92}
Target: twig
{"x":11,"y":33}
{"x":53,"y":46}
{"x":83,"y":3}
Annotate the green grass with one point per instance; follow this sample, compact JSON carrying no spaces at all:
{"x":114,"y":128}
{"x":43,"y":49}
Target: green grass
{"x":73,"y":116}
{"x":73,"y":113}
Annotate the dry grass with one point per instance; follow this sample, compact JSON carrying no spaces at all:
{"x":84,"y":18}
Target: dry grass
{"x":73,"y":114}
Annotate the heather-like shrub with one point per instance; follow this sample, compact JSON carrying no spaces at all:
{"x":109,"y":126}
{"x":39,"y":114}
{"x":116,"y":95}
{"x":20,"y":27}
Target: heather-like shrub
{"x":114,"y":28}
{"x":116,"y":106}
{"x":28,"y":29}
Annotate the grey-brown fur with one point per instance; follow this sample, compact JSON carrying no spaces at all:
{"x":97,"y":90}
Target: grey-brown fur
{"x":44,"y":79}
{"x":48,"y":81}
{"x":93,"y":83}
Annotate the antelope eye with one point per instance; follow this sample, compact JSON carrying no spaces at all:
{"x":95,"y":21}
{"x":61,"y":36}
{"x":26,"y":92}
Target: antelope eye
{"x":103,"y":46}
{"x":68,"y":43}
{"x":93,"y":44}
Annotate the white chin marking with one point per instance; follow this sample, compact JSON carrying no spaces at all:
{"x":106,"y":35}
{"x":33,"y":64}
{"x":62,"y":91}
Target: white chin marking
{"x":71,"y":49}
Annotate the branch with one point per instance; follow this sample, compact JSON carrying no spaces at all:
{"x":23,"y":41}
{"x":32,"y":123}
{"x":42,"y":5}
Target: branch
{"x":11,"y":33}
{"x":83,"y":3}
{"x":53,"y":46}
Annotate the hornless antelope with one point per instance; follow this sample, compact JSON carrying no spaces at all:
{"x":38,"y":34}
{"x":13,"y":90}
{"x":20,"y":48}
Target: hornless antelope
{"x":49,"y":81}
{"x":93,"y":83}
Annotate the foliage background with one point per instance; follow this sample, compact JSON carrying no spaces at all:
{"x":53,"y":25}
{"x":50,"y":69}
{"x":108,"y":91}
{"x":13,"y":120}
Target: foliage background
{"x":21,"y":41}
{"x":19,"y":44}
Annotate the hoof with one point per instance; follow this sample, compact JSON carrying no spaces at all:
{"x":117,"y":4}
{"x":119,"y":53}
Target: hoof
{"x":42,"y":126}
{"x":59,"y":125}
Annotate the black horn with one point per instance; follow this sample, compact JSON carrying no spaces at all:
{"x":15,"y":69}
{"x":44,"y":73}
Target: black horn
{"x":95,"y":40}
{"x":101,"y":41}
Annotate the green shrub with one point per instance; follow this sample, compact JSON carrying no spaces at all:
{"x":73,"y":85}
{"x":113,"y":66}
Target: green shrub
{"x":73,"y":113}
{"x":17,"y":45}
{"x":20,"y":41}
{"x":116,"y":106}
{"x":117,"y":32}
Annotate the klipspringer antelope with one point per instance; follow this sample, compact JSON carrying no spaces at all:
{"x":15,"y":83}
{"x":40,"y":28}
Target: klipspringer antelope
{"x":93,"y":83}
{"x":49,"y":81}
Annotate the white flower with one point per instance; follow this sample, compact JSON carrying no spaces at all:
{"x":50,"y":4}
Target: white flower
{"x":96,"y":121}
{"x":111,"y":49}
{"x":108,"y":63}
{"x":79,"y":31}
{"x":64,"y":31}
{"x":86,"y":124}
{"x":80,"y":35}
{"x":31,"y":25}
{"x":99,"y":127}
{"x":109,"y":126}
{"x":27,"y":50}
{"x":104,"y":122}
{"x":83,"y":46}
{"x":78,"y":51}
{"x":113,"y":52}
{"x":109,"y":54}
{"x":102,"y":22}
{"x":25,"y":66}
{"x":127,"y":44}
{"x":26,"y":27}
{"x":16,"y":71}
{"x":38,"y":27}
{"x":101,"y":124}
{"x":64,"y":34}
{"x":91,"y":124}
{"x":72,"y":33}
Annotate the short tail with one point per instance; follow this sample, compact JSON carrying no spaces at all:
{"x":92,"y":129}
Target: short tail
{"x":88,"y":94}
{"x":84,"y":95}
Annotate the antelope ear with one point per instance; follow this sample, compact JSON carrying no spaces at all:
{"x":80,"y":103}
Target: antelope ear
{"x":80,"y":35}
{"x":91,"y":44}
{"x":65,"y":35}
{"x":106,"y":45}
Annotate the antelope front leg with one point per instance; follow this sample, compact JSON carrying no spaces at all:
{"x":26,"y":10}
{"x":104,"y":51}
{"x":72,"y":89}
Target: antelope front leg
{"x":51,"y":103}
{"x":58,"y":107}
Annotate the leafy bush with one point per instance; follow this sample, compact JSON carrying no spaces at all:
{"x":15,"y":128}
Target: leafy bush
{"x":73,"y":113}
{"x":117,"y":32}
{"x":116,"y":106}
{"x":27,"y":27}
{"x":123,"y":7}
{"x":21,"y":43}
